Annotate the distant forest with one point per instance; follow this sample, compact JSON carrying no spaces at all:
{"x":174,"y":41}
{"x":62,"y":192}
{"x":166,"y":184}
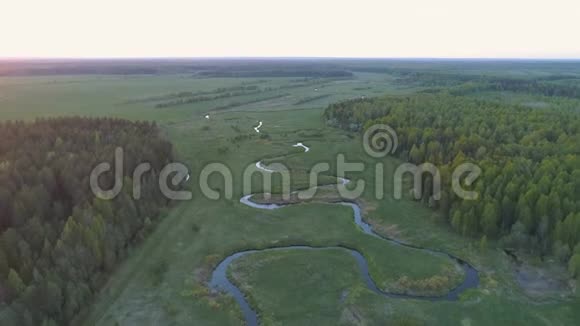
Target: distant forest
{"x":530,"y":186}
{"x":204,"y":68}
{"x":58,"y":243}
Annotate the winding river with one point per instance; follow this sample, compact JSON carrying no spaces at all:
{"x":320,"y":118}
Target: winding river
{"x":306,"y":148}
{"x":220,"y":281}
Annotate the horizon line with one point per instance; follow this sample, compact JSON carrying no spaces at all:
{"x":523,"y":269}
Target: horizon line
{"x":34,"y":58}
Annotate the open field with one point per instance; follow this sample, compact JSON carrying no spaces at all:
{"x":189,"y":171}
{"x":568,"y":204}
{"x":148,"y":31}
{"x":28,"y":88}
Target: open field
{"x":126,"y":96}
{"x":231,"y":226}
{"x":164,"y":279}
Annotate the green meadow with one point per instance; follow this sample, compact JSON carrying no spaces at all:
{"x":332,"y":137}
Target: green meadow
{"x":163,"y":280}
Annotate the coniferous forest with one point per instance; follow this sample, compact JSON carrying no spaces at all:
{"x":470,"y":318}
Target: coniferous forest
{"x":59,"y":243}
{"x":530,"y":184}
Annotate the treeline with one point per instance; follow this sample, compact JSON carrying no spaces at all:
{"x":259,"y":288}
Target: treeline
{"x":529,"y":191}
{"x":250,"y":101}
{"x":463,"y":84}
{"x":537,"y":87}
{"x":182,"y":100}
{"x":317,"y":73}
{"x":311,"y":99}
{"x":58,"y":242}
{"x":186,"y":94}
{"x":193,"y":67}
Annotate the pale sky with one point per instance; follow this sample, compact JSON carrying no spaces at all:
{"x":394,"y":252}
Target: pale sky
{"x":306,"y":28}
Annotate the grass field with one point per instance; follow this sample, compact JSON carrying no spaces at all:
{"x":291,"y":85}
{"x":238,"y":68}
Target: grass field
{"x":163,"y":281}
{"x":31,"y":97}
